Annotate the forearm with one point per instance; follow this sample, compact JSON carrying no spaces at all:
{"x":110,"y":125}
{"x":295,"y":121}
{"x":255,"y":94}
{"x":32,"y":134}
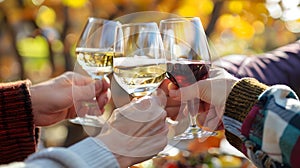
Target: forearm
{"x":17,"y":130}
{"x":279,"y":66}
{"x":262,"y":124}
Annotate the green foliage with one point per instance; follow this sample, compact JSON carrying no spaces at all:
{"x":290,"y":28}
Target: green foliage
{"x":33,"y":47}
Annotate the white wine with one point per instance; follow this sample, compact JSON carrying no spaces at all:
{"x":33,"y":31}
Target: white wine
{"x":139,"y":77}
{"x":95,"y":62}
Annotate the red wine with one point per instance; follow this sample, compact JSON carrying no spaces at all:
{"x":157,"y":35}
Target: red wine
{"x":184,"y":73}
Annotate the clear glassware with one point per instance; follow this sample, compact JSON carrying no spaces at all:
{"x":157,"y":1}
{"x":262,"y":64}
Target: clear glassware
{"x":94,"y":52}
{"x":188,"y":60}
{"x":140,"y":66}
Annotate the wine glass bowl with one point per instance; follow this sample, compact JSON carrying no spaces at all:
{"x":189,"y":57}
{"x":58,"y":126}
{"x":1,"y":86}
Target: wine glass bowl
{"x":141,"y":65}
{"x":95,"y":62}
{"x":186,"y":73}
{"x":188,"y":61}
{"x":95,"y":47}
{"x":95,"y":52}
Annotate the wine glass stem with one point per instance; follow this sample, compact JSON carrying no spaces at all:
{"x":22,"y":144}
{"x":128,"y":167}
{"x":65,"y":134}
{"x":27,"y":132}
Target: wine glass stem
{"x":192,"y":113}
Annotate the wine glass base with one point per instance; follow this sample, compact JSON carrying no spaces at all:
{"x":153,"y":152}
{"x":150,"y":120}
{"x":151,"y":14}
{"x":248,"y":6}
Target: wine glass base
{"x":193,"y":132}
{"x":92,"y":122}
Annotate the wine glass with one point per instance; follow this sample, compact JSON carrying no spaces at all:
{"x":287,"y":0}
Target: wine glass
{"x":140,"y":66}
{"x":95,"y":53}
{"x":188,"y":60}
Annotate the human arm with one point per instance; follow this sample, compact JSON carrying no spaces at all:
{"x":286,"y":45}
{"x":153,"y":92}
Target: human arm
{"x":254,"y":121}
{"x":137,"y":131}
{"x":89,"y":152}
{"x":268,"y":132}
{"x":25,"y":106}
{"x":134,"y":133}
{"x":282,"y":62}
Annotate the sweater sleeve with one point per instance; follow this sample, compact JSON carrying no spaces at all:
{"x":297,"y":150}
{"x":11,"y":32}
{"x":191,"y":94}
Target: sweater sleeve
{"x":89,"y":152}
{"x":262,"y":122}
{"x":241,"y":99}
{"x":279,"y":66}
{"x":17,"y":130}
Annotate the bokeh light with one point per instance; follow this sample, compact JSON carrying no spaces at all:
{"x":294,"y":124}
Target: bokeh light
{"x":38,"y":37}
{"x":45,"y":17}
{"x":74,"y":4}
{"x":232,"y":26}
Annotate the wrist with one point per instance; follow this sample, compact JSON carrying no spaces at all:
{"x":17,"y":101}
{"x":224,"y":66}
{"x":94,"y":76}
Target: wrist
{"x":35,"y":101}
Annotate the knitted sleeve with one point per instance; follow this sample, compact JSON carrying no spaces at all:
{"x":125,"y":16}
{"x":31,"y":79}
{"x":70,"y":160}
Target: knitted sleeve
{"x":17,"y":130}
{"x":263,"y":123}
{"x":242,"y":98}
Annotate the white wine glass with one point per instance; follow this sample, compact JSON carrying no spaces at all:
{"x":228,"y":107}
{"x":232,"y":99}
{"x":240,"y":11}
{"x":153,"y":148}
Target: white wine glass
{"x":188,"y":60}
{"x":141,"y":65}
{"x":94,"y":51}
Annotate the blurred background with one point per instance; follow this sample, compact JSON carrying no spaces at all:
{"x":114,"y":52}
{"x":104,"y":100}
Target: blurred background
{"x":37,"y":37}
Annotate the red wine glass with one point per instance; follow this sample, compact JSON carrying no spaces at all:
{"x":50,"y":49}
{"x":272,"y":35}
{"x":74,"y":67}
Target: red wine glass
{"x":188,"y":61}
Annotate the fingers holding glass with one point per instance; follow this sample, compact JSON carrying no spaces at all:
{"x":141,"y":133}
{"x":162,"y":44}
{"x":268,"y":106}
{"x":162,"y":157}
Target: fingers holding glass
{"x":94,"y":51}
{"x":188,"y":61}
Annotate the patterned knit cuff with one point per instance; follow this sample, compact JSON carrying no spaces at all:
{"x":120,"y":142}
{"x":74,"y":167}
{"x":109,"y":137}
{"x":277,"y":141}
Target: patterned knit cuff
{"x":243,"y":96}
{"x":17,"y":130}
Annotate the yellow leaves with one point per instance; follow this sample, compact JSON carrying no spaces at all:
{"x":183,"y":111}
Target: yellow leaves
{"x":227,"y":21}
{"x":196,"y":8}
{"x":186,"y":10}
{"x":74,"y":3}
{"x":46,"y":17}
{"x":206,"y":7}
{"x":239,"y":27}
{"x":33,"y":47}
{"x":235,"y":6}
{"x":243,"y":30}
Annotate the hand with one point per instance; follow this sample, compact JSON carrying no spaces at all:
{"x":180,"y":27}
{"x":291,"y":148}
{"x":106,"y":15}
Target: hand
{"x":52,"y":100}
{"x":136,"y":131}
{"x":212,"y":92}
{"x":172,"y":106}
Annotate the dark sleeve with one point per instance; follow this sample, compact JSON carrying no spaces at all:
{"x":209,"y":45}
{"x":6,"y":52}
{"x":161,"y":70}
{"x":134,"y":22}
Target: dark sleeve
{"x":17,"y":130}
{"x":280,"y":66}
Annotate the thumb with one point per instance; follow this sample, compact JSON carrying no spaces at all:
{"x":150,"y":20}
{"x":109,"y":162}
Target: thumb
{"x":102,"y":85}
{"x":81,"y":80}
